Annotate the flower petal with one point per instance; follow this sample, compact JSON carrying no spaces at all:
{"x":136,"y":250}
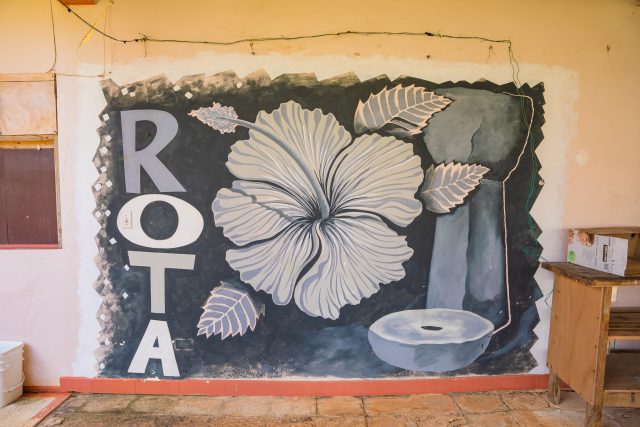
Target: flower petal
{"x":311,"y":137}
{"x":378,"y":174}
{"x":273,"y":266}
{"x":270,"y":197}
{"x":243,"y":220}
{"x":357,"y":254}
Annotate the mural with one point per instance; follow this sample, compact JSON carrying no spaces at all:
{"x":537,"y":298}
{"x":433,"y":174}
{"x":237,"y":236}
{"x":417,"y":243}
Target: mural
{"x":259,"y":227}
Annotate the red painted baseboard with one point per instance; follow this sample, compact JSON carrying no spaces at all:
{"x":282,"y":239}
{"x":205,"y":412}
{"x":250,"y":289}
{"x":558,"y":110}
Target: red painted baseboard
{"x":278,"y":387}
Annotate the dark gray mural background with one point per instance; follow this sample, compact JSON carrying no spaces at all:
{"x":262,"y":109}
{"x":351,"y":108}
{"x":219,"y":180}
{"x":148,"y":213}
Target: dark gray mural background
{"x":475,"y":128}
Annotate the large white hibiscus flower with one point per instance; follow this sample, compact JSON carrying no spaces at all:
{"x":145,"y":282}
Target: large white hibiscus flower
{"x":307,"y":209}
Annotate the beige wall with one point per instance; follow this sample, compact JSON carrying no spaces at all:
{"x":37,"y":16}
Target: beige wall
{"x":596,"y":40}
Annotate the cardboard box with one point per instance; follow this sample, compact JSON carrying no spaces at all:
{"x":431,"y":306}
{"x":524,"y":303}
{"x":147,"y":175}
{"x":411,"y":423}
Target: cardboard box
{"x":615,"y":250}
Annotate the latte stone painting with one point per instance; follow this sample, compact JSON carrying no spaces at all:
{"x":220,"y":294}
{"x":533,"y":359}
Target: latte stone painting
{"x":277,"y":226}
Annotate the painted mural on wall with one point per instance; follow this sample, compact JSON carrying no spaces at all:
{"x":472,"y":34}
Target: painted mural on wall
{"x":256,"y":227}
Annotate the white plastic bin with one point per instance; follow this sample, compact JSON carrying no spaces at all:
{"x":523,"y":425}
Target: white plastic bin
{"x":11,"y":377}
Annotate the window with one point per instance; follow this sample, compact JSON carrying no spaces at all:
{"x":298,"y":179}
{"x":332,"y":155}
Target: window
{"x":28,"y":185}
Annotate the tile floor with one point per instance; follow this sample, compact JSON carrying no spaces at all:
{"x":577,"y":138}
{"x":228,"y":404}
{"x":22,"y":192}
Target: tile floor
{"x":477,"y":409}
{"x":22,"y":412}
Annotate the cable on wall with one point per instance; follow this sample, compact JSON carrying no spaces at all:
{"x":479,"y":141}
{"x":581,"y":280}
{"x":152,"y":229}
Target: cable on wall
{"x":530,"y":251}
{"x":253,"y":40}
{"x":53,"y":35}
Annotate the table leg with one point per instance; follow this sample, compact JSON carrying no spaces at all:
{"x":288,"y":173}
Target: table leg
{"x":553,"y":390}
{"x":593,"y":415}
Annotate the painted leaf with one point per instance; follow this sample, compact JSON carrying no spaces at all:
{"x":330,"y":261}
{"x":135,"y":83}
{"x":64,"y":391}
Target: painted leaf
{"x":229,"y":311}
{"x":217,"y":116}
{"x":447,"y":185}
{"x":401,"y":111}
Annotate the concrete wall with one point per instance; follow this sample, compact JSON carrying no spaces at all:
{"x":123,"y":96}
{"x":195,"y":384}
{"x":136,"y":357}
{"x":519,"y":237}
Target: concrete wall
{"x":585,"y":52}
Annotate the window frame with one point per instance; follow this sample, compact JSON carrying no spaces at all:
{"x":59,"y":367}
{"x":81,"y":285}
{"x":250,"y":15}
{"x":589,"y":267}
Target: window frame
{"x":36,"y":142}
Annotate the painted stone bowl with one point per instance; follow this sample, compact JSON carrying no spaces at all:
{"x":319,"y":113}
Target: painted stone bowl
{"x":433,"y":340}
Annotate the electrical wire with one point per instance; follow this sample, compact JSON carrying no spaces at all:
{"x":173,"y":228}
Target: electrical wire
{"x":515,"y":67}
{"x":53,"y":35}
{"x":146,"y":38}
{"x":252,"y":40}
{"x":531,"y":251}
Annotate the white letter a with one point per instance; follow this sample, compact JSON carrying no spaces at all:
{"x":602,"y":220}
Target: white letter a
{"x":159,"y":330}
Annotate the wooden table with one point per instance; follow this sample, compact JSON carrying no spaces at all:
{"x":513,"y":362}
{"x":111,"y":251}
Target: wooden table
{"x":582,"y":323}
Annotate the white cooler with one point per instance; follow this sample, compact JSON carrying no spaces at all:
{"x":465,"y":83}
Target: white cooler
{"x":11,"y":376}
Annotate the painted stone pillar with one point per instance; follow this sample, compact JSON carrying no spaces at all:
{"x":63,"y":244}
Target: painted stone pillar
{"x":448,"y":273}
{"x":468,"y":265}
{"x":485,"y":290}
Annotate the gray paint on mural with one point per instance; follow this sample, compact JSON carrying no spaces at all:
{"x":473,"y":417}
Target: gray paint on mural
{"x":316,"y":198}
{"x":341,"y":348}
{"x":448,"y":142}
{"x":230,"y":310}
{"x":158,"y":263}
{"x":489,"y":135}
{"x":166,"y":130}
{"x":434,"y":340}
{"x":485,"y":290}
{"x":401,"y":111}
{"x":448,"y":274}
{"x":317,"y":323}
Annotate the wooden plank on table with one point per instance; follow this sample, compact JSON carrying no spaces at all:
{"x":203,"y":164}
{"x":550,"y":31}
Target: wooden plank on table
{"x":622,"y":380}
{"x":30,"y":196}
{"x":589,"y":276}
{"x":27,"y":108}
{"x":621,"y":232}
{"x":629,"y":310}
{"x":624,"y":336}
{"x":633,"y":267}
{"x":622,"y":399}
{"x":624,"y":324}
{"x":622,"y":312}
{"x":576,"y":335}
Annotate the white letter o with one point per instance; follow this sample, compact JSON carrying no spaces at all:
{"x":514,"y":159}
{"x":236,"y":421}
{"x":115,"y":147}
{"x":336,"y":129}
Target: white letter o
{"x":190,"y":222}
